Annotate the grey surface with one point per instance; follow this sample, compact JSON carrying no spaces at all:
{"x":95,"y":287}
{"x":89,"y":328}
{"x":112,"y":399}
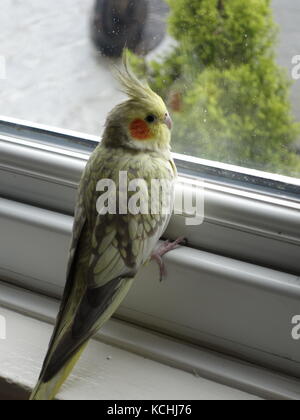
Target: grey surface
{"x":55,"y":76}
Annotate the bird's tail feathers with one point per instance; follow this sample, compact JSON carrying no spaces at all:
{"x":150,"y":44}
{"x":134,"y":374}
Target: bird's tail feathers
{"x":45,"y":391}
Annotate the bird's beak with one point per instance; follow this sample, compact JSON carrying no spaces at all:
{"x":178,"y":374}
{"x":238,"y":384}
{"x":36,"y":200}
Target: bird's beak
{"x":168,"y":121}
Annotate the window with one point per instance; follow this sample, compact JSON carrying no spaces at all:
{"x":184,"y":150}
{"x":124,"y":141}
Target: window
{"x":223,"y":81}
{"x":235,"y":289}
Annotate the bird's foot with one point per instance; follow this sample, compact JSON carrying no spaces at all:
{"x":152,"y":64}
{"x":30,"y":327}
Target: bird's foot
{"x":162,"y":250}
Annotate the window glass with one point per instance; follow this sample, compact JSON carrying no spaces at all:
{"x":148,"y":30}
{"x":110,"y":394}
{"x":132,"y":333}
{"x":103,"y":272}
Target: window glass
{"x":229,"y":70}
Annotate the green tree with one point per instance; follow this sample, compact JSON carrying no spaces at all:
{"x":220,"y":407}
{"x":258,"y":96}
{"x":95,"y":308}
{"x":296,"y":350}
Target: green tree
{"x":230,"y":98}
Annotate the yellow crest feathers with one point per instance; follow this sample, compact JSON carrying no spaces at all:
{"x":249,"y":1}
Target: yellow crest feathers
{"x":131,"y":85}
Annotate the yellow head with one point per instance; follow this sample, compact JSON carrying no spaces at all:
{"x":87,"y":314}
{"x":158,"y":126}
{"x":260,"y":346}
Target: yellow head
{"x":142,"y":122}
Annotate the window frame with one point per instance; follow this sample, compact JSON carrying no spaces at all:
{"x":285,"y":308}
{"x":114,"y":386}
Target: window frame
{"x":264,"y":222}
{"x":275,"y":185}
{"x":42,"y":167}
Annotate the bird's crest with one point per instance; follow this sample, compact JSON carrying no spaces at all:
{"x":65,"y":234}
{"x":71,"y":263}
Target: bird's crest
{"x":131,"y":85}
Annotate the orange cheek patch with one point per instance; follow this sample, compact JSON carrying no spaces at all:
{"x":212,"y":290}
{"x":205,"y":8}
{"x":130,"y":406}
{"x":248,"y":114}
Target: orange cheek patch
{"x":139,"y":130}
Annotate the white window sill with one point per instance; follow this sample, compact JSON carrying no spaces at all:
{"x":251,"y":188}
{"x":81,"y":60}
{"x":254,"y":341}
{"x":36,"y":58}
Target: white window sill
{"x":128,"y":362}
{"x":104,"y":372}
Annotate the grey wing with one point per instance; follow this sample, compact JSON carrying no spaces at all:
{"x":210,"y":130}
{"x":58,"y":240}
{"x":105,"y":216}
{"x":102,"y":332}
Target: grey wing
{"x":78,"y":228}
{"x":78,"y":243}
{"x":117,"y":247}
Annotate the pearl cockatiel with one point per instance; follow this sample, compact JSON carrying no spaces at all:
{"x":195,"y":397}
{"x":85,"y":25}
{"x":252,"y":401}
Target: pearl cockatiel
{"x":108,"y":250}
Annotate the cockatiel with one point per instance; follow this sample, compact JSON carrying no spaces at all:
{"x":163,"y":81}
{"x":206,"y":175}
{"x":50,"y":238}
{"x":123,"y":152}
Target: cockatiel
{"x":107,"y":250}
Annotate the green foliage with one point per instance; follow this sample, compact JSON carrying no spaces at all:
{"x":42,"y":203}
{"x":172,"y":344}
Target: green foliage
{"x":231,"y":98}
{"x":239,"y":116}
{"x":223,"y":32}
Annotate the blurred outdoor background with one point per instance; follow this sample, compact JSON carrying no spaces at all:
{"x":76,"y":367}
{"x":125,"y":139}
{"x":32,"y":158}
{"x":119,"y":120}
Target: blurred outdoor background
{"x":229,"y":98}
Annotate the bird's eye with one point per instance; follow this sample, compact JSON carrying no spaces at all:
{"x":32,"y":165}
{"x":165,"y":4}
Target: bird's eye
{"x":150,"y":118}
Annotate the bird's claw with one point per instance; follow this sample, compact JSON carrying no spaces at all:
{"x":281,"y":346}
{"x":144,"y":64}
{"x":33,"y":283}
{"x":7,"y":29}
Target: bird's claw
{"x":162,"y":250}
